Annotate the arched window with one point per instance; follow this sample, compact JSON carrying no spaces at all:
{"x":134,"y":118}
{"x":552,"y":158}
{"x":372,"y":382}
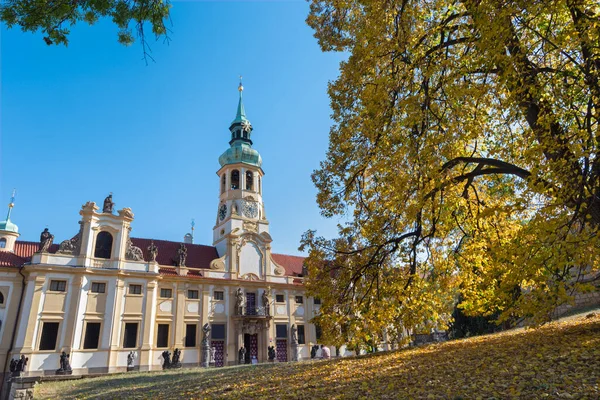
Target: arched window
{"x":223,"y":183}
{"x":245,"y":135}
{"x":104,"y":243}
{"x":249,"y":180}
{"x":235,"y":179}
{"x":2,"y":243}
{"x":259,"y":187}
{"x":1,"y":298}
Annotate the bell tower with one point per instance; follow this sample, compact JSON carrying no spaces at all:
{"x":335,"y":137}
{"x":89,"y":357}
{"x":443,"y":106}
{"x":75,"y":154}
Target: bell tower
{"x":240,"y":209}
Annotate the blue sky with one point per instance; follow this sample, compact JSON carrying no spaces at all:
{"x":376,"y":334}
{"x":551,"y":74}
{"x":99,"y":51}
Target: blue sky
{"x":81,"y":121}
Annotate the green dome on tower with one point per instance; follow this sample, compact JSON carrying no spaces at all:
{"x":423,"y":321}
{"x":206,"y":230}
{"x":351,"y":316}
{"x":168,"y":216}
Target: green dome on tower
{"x":241,"y":150}
{"x":7,"y":225}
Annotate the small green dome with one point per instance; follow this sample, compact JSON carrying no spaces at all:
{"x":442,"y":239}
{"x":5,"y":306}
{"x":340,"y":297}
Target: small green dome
{"x":8,"y":226}
{"x":240,"y":152}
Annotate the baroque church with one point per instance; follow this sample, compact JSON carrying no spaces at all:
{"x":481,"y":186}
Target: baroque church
{"x":111,"y":302}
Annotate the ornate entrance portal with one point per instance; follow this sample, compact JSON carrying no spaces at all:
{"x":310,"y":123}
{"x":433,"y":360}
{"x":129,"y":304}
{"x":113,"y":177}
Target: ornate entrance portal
{"x":251,"y":345}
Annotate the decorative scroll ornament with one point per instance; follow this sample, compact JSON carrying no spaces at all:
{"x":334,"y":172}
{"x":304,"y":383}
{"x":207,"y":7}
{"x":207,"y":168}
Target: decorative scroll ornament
{"x":250,"y":277}
{"x":218,"y":264}
{"x":73,"y":245}
{"x":126,"y":212}
{"x":250,"y":226}
{"x":279,"y":270}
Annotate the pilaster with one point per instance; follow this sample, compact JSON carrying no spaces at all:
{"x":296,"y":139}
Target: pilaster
{"x":28,"y":345}
{"x":72,"y":308}
{"x":179,"y":325}
{"x":116,"y":327}
{"x":148,"y":328}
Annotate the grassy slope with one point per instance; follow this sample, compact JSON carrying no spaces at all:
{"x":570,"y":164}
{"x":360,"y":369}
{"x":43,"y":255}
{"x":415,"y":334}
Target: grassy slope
{"x":560,"y":360}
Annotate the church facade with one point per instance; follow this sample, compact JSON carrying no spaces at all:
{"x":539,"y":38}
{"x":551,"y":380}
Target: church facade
{"x":109,"y":301}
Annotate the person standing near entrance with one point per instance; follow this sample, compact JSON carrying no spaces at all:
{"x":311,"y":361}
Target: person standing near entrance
{"x":325,"y":353}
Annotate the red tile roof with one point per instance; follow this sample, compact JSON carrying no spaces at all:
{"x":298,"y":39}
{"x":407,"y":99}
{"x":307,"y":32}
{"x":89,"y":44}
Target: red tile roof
{"x":22,"y":254}
{"x":292,"y":264}
{"x":198,"y":256}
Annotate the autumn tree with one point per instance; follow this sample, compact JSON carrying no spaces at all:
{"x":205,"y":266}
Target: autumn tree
{"x":464,"y":153}
{"x":55,"y":17}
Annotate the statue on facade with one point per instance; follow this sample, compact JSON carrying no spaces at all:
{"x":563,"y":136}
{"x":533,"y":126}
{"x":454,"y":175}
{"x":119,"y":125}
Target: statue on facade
{"x":182,"y":255}
{"x":176,"y":363}
{"x":18,"y":365}
{"x":242,"y":355}
{"x":46,"y":239}
{"x":132,"y":252}
{"x":130,"y":358}
{"x":213,"y":354}
{"x":294,"y":332}
{"x":272,"y":353}
{"x":65,"y":367}
{"x":205,"y":334}
{"x":266,"y":301}
{"x":166,"y":359}
{"x":153,"y":251}
{"x":240,"y":301}
{"x":108,"y":204}
{"x":313,"y":351}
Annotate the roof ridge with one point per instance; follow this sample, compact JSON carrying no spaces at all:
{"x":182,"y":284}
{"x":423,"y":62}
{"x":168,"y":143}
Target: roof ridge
{"x":173,"y":241}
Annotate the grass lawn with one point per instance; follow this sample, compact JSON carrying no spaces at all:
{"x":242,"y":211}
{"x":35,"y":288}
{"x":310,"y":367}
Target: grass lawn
{"x":557,"y":361}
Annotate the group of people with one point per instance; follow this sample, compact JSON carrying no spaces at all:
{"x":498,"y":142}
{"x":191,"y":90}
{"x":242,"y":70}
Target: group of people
{"x":320,"y":352}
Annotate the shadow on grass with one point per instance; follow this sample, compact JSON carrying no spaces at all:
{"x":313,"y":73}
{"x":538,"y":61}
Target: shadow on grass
{"x":534,"y":363}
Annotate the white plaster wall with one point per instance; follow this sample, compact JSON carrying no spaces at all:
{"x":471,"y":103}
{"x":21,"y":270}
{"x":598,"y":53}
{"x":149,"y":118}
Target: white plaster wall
{"x":191,"y":355}
{"x":250,"y":260}
{"x":62,"y":260}
{"x":135,"y":266}
{"x":43,"y":361}
{"x":89,"y":359}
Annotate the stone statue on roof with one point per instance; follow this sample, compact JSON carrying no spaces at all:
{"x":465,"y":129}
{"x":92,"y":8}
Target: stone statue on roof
{"x":153,"y":251}
{"x":46,"y":239}
{"x":108,"y":204}
{"x":182,"y":254}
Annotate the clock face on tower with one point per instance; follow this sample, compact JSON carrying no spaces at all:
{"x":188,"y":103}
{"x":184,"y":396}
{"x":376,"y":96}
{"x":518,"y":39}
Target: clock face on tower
{"x":250,"y":209}
{"x":222,"y":212}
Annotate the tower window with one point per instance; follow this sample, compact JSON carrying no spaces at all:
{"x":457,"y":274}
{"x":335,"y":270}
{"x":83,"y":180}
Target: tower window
{"x":2,"y":243}
{"x":223,"y":183}
{"x":1,"y":298}
{"x":104,"y":243}
{"x":235,"y":179}
{"x":249,"y":180}
{"x":259,"y":187}
{"x":245,"y":135}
